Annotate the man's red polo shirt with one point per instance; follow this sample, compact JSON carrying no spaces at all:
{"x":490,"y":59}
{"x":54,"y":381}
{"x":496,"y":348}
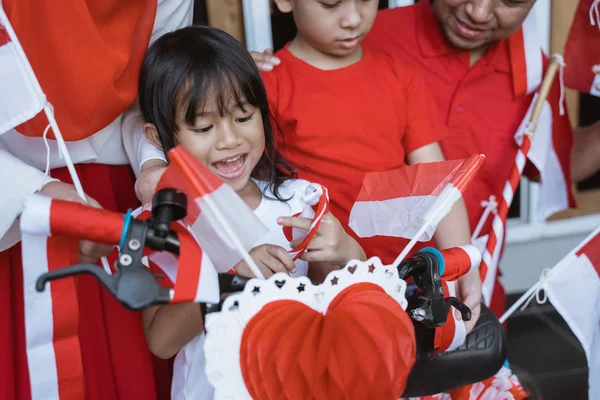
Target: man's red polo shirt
{"x":478,"y":103}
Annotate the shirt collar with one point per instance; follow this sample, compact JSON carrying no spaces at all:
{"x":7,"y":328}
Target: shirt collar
{"x":501,"y":57}
{"x":431,"y":39}
{"x":433,"y":43}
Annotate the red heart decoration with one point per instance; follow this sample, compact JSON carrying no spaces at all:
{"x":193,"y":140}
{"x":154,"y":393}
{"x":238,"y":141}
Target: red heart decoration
{"x":363,"y":348}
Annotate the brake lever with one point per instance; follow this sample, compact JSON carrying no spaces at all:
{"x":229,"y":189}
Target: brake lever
{"x":133,"y":285}
{"x":464,"y":310}
{"x":432,"y":308}
{"x":77,"y":269}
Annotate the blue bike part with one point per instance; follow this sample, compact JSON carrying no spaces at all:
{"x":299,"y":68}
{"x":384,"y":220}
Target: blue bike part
{"x":439,"y":256}
{"x":125,"y":228}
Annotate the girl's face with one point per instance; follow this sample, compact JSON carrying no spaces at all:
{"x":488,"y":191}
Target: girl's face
{"x":229,"y":145}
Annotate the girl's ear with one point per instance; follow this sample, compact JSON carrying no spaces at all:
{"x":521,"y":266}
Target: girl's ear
{"x":151,"y":133}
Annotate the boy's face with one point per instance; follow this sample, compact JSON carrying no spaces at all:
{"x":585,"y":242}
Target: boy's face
{"x":334,"y":27}
{"x":475,"y":24}
{"x":230,"y":145}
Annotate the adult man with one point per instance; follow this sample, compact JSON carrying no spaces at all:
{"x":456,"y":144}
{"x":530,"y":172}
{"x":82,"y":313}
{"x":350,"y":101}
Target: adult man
{"x":463,"y":51}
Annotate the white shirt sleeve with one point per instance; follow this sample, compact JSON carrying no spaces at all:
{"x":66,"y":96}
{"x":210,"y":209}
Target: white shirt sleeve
{"x":138,"y":148}
{"x":20,"y":180}
{"x":170,"y":16}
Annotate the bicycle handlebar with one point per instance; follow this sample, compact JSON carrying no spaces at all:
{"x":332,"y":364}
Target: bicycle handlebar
{"x":83,"y":222}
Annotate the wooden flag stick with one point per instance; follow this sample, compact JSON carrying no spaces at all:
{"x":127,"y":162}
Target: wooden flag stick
{"x":555,"y":64}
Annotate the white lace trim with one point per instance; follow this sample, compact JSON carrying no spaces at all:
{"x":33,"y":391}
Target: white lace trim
{"x":225,"y":328}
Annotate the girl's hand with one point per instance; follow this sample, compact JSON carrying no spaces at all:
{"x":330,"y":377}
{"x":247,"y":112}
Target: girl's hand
{"x":89,"y":252}
{"x":270,"y":259}
{"x":331,"y":243}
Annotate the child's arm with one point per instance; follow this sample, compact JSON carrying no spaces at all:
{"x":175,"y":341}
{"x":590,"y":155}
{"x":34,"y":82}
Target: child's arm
{"x":452,"y":231}
{"x":170,"y":327}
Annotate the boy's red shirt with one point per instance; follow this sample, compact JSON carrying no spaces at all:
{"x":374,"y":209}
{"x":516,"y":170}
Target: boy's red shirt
{"x":334,"y":126}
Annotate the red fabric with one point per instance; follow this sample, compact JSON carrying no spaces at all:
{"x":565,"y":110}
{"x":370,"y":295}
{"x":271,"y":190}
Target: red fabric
{"x":445,"y":334}
{"x":457,"y":263}
{"x":86,"y":55}
{"x":116,"y":360}
{"x":83,"y":222}
{"x":289,"y":350}
{"x":582,"y":50}
{"x":478,"y":104}
{"x":592,"y":251}
{"x":3,"y":36}
{"x":338,"y":125}
{"x":62,"y":252}
{"x":190,"y":263}
{"x":518,"y":62}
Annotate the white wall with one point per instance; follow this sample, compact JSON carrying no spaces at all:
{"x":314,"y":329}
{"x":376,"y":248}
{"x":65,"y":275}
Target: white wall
{"x":523,"y":263}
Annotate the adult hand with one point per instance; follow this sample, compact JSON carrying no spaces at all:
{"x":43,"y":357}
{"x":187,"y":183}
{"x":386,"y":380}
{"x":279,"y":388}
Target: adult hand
{"x":270,"y":259}
{"x":265,"y":61}
{"x":89,"y":252}
{"x":469,"y":292}
{"x":150,"y":174}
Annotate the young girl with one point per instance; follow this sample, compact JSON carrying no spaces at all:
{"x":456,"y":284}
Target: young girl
{"x":200,"y":89}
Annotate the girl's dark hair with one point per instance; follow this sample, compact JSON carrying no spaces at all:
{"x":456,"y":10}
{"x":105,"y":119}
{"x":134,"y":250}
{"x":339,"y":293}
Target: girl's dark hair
{"x":193,"y":63}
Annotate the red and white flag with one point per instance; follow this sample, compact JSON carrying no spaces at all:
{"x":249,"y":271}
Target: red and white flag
{"x":51,"y":316}
{"x":399,"y":202}
{"x":582,"y":51}
{"x":191,"y":276}
{"x":554,"y":190}
{"x":527,"y":65}
{"x":526,"y":57}
{"x":21,"y":96}
{"x":223,"y":224}
{"x":573,"y":288}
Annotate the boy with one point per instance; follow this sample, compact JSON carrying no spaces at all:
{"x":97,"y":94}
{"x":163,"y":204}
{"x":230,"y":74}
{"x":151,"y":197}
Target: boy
{"x":345,"y":110}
